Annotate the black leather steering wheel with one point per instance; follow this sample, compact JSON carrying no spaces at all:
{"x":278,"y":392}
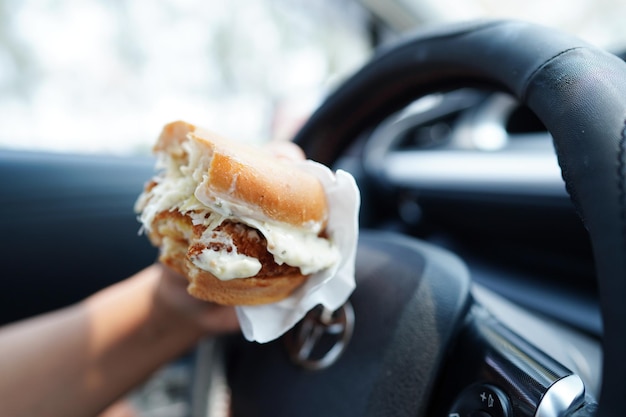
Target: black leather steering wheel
{"x":577,"y":90}
{"x":412,"y":303}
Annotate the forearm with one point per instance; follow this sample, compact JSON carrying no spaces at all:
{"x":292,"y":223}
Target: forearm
{"x":132,"y":334}
{"x":76,"y":361}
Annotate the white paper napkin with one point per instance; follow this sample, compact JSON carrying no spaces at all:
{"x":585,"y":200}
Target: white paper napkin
{"x":331,"y":287}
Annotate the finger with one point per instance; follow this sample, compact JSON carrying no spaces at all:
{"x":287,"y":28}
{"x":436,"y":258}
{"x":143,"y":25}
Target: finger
{"x":220,"y":319}
{"x":286,"y":150}
{"x":213,"y":318}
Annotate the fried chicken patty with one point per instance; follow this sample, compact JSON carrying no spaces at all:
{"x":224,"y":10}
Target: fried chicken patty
{"x":245,"y":240}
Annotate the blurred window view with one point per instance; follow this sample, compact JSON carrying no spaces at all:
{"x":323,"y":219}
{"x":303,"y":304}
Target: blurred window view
{"x":600,"y":22}
{"x":105,"y":76}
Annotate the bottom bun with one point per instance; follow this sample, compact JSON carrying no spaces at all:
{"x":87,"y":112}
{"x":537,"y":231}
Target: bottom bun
{"x":234,"y":292}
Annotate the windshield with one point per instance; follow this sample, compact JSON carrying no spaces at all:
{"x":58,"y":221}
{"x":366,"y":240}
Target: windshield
{"x":599,"y":22}
{"x":102,"y":76}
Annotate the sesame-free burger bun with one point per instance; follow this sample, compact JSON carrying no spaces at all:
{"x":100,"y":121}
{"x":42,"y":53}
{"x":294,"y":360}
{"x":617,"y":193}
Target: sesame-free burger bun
{"x":243,"y":226}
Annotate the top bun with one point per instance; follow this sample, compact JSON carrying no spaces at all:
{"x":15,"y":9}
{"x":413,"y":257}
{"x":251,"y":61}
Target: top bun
{"x":243,"y":225}
{"x":249,"y":178}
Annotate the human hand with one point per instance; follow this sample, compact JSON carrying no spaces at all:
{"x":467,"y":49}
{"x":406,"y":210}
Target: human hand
{"x":285,"y":150}
{"x":171,"y":294}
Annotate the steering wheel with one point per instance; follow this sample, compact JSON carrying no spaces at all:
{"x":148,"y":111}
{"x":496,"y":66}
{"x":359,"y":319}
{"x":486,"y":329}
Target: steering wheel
{"x":421,"y":344}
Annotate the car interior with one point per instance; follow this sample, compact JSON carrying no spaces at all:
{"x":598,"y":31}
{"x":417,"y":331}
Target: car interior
{"x":490,"y":267}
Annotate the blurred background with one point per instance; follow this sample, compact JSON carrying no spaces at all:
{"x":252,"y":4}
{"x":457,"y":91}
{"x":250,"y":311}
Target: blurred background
{"x":104,"y":76}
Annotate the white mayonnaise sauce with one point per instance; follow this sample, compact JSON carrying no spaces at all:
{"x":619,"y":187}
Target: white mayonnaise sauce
{"x":225,"y":265}
{"x":295,"y":247}
{"x":184,"y":188}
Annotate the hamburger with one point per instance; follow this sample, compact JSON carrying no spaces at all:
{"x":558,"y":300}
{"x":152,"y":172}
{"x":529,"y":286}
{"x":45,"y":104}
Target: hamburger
{"x":242,"y":225}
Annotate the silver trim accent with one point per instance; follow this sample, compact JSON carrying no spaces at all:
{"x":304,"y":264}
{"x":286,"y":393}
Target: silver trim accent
{"x":320,"y":328}
{"x":520,"y":173}
{"x":484,"y":127}
{"x":561,"y":396}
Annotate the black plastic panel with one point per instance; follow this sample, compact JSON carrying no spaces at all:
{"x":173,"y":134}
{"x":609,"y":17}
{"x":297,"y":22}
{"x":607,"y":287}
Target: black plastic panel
{"x":409,"y":302}
{"x":67,"y":228}
{"x":488,"y":353}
